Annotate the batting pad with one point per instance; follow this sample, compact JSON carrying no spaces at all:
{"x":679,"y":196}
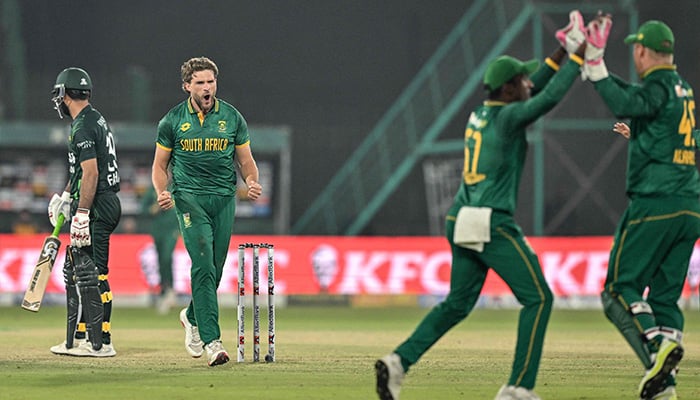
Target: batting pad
{"x":624,"y":321}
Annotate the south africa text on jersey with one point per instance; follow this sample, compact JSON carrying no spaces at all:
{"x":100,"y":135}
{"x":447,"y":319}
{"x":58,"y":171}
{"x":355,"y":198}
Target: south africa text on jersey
{"x":206,"y":144}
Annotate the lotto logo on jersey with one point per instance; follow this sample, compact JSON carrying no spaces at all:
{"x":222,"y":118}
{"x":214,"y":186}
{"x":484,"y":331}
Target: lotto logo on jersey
{"x":185,"y":127}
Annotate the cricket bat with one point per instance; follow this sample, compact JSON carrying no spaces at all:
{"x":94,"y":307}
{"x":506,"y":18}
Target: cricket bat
{"x":42,"y":270}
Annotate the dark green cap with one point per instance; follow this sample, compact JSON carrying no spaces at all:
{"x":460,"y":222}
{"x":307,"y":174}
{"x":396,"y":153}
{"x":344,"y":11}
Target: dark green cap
{"x":504,"y":68}
{"x":655,"y":35}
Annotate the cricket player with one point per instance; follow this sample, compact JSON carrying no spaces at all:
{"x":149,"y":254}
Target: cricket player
{"x":165,"y":231}
{"x":90,"y":197}
{"x":202,"y":138}
{"x":480,"y":226}
{"x":655,"y":237}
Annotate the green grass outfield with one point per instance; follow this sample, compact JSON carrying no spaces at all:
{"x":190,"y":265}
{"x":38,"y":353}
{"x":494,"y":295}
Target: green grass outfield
{"x":325,"y":353}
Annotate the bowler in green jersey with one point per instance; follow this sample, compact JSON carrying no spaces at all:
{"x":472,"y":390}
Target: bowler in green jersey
{"x":480,"y":226}
{"x":656,"y":235}
{"x":203,"y":139}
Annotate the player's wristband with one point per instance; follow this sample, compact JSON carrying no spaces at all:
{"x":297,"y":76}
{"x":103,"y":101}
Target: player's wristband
{"x":576,"y":58}
{"x":551,"y":64}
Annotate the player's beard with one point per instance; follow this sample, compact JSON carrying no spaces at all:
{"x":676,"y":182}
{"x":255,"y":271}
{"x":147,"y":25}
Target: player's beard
{"x":64,"y":109}
{"x":203,"y":104}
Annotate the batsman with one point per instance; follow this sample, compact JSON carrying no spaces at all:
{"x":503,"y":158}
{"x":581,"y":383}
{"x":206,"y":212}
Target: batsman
{"x":90,"y":201}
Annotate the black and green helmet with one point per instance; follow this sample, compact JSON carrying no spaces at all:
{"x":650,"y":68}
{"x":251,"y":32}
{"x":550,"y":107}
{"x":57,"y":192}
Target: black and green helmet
{"x":72,"y":79}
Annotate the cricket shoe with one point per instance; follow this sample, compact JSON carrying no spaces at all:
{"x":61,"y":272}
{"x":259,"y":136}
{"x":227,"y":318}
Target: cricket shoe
{"x":216,"y":353}
{"x":510,"y":392}
{"x":193,"y":343}
{"x":61,"y":348}
{"x":665,"y":362}
{"x":390,"y":374}
{"x":85,"y":350}
{"x":669,"y":393}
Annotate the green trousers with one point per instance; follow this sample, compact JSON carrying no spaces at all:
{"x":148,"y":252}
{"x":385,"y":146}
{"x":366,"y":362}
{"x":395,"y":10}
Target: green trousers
{"x":206,"y":224}
{"x":165,"y":240}
{"x":652,"y":248}
{"x":510,"y":256}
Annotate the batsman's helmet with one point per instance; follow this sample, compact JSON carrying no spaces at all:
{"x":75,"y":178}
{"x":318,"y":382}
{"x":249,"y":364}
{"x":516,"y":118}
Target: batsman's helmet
{"x":74,"y":80}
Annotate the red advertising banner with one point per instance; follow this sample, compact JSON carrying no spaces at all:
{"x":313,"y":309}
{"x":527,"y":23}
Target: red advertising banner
{"x":321,"y":264}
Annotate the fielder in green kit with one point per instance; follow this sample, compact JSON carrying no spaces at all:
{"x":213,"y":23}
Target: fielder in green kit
{"x":655,"y":237}
{"x":165,"y":231}
{"x":202,"y":137}
{"x":480,"y":226}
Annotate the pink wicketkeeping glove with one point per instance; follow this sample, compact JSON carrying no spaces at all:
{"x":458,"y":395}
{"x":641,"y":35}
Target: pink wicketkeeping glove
{"x":597,"y":33}
{"x":574,"y":34}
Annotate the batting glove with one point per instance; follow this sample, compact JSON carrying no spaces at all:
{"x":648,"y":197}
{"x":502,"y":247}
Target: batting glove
{"x":574,"y":34}
{"x":597,"y":33}
{"x":80,"y":228}
{"x":59,"y":205}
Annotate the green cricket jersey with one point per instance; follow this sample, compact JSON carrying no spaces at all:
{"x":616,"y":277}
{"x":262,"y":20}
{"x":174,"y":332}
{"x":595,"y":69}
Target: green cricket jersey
{"x":202,"y":152}
{"x":661,"y":153}
{"x":495,"y":142}
{"x":90,"y":138}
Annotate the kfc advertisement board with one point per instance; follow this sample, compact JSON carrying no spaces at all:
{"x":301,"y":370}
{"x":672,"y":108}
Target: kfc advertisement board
{"x":321,"y":264}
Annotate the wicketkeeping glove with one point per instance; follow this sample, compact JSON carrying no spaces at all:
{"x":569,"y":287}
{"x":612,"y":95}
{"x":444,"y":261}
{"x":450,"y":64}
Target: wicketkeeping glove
{"x":597,"y":34}
{"x":574,"y":34}
{"x":80,"y":228}
{"x":59,"y":205}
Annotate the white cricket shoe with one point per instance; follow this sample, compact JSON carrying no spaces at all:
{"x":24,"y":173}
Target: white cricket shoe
{"x":390,"y":374}
{"x":669,"y":393}
{"x":510,"y":392}
{"x":665,"y":362}
{"x":85,"y":350}
{"x":61,"y":348}
{"x":216,"y":353}
{"x":193,"y":343}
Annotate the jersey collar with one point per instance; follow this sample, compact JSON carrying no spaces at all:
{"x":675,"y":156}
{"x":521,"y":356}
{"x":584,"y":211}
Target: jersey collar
{"x":85,"y":109}
{"x":662,"y":67}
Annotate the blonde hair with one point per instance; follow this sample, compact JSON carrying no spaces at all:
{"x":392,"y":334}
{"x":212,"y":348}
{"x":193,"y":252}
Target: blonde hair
{"x":196,"y":64}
